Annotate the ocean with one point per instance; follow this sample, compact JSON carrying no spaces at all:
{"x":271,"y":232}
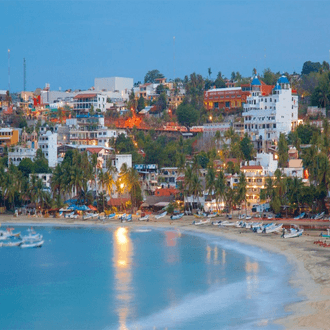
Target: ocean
{"x":141,"y":278}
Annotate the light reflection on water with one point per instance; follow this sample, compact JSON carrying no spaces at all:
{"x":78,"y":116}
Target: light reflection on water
{"x":252,"y":279}
{"x":122,"y":261}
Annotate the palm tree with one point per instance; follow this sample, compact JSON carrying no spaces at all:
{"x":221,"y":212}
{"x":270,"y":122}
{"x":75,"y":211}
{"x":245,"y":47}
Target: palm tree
{"x":210,"y":180}
{"x":241,"y":190}
{"x":196,"y":187}
{"x":220,"y":187}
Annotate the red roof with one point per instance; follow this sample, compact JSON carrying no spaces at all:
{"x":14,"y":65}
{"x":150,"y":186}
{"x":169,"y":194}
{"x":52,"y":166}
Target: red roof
{"x":166,"y":192}
{"x":251,"y":167}
{"x":85,"y":96}
{"x":93,"y":150}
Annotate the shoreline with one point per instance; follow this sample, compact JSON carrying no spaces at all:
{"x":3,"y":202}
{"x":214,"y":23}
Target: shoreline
{"x":310,"y":263}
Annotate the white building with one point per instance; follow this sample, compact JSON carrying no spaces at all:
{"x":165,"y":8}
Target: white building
{"x":268,"y":163}
{"x":121,"y":159}
{"x":82,"y":102}
{"x":266,"y":116}
{"x":48,"y":144}
{"x":46,"y":178}
{"x":19,"y":153}
{"x":112,"y":84}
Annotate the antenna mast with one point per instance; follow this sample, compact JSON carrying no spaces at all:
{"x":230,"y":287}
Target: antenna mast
{"x":173,"y":57}
{"x":9,"y":71}
{"x":24,"y":74}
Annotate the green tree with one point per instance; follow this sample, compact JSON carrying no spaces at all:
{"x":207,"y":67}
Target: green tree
{"x":141,"y":103}
{"x":282,"y":151}
{"x":152,"y":75}
{"x":26,"y":166}
{"x":247,"y":148}
{"x":309,"y":67}
{"x":187,"y":115}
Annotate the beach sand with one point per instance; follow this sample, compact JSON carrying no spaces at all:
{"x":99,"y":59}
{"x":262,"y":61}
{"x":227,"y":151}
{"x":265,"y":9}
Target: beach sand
{"x":311,"y":262}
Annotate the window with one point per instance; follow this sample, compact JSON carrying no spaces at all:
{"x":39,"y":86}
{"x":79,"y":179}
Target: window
{"x":274,"y":125}
{"x":216,"y":105}
{"x":270,"y":100}
{"x":227,"y":104}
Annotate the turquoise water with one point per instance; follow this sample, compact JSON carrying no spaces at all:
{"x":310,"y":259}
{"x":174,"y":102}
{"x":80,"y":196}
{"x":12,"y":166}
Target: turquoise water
{"x":126,"y":278}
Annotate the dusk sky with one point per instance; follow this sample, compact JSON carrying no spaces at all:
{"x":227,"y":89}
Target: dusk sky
{"x":69,"y":43}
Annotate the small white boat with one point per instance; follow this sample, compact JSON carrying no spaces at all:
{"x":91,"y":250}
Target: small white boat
{"x":227,"y":224}
{"x":73,"y":216}
{"x":216,"y":223}
{"x":319,"y":216}
{"x":127,"y":218}
{"x":87,"y":216}
{"x":177,"y":216}
{"x":161,"y":215}
{"x":240,"y":224}
{"x":293,"y":232}
{"x":248,"y":217}
{"x":200,"y":215}
{"x":201,"y":222}
{"x":112,"y":215}
{"x":32,"y":245}
{"x":31,"y":237}
{"x":10,"y":244}
{"x":145,"y":218}
{"x":274,"y":228}
{"x":212,"y":215}
{"x":69,"y":215}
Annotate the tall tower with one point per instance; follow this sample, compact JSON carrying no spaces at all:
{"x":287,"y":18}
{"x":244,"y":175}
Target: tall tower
{"x":9,"y":71}
{"x":24,"y":75}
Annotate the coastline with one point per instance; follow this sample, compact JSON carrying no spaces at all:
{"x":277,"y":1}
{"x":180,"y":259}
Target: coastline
{"x":310,"y":262}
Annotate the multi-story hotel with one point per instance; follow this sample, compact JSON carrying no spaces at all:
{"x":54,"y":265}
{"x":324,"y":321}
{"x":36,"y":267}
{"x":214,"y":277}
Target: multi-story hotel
{"x":267,"y":113}
{"x":83,"y":102}
{"x":226,"y":98}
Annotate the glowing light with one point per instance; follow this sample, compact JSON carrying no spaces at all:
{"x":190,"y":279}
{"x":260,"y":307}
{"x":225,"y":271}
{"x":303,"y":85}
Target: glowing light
{"x":121,"y":235}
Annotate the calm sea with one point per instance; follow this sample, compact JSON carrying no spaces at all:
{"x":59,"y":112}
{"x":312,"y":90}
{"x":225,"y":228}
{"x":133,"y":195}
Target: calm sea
{"x":140,"y":278}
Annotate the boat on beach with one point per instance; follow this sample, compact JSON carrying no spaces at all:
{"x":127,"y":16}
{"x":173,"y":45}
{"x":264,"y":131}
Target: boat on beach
{"x":213,"y":215}
{"x":145,"y":218}
{"x":161,"y":215}
{"x":226,"y":223}
{"x":295,"y":231}
{"x":201,"y":222}
{"x":111,"y":216}
{"x":177,"y":216}
{"x":126,"y":218}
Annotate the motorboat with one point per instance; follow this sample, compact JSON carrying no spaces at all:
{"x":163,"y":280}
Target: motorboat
{"x":127,"y":218}
{"x":300,"y":216}
{"x":200,"y":215}
{"x":212,"y":215}
{"x":87,"y":216}
{"x":32,"y":245}
{"x":274,"y":228}
{"x":177,"y":216}
{"x":69,"y":215}
{"x":10,"y":244}
{"x":31,"y":237}
{"x":293,"y":232}
{"x":112,"y":215}
{"x":201,"y":222}
{"x":327,"y":235}
{"x":248,"y":217}
{"x":161,"y":215}
{"x":319,"y":216}
{"x":145,"y":218}
{"x":226,"y":223}
{"x":216,"y":223}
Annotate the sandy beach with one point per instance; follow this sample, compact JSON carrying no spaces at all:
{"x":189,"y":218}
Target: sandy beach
{"x":311,"y":262}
